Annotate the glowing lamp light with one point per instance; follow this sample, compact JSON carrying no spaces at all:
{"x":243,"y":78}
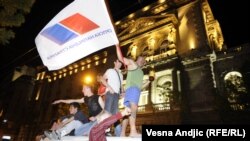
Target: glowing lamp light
{"x":6,"y":137}
{"x":192,"y":44}
{"x":133,"y":52}
{"x":88,"y":79}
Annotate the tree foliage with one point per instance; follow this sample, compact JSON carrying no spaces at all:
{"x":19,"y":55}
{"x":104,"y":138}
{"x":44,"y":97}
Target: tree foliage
{"x":12,"y":14}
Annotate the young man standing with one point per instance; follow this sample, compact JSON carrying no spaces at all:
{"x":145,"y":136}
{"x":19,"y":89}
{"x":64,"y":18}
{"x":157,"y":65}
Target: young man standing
{"x":134,"y":85}
{"x":112,"y":79}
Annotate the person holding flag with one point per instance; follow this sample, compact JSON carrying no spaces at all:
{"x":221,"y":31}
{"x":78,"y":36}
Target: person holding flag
{"x":134,"y":85}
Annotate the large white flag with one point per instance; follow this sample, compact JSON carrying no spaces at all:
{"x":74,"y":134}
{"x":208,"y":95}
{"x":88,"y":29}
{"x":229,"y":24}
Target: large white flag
{"x":81,"y":28}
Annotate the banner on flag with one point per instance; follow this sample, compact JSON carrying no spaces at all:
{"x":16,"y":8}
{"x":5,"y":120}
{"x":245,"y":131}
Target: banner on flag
{"x":81,"y":28}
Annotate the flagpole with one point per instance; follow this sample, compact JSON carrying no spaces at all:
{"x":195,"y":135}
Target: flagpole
{"x":112,"y":21}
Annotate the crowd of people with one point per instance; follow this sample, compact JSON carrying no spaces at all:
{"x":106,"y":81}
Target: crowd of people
{"x":103,"y":110}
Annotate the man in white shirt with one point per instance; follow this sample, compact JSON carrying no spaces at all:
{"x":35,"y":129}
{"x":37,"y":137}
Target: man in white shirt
{"x":112,"y":79}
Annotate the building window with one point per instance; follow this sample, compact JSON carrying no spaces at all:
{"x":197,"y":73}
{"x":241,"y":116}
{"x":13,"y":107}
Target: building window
{"x":236,"y":92}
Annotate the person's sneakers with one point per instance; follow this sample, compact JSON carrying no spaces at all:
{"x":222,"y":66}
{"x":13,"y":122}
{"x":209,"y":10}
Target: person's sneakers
{"x":108,"y":134}
{"x":52,"y":135}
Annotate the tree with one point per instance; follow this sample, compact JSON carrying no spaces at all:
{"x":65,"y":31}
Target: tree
{"x":12,"y":14}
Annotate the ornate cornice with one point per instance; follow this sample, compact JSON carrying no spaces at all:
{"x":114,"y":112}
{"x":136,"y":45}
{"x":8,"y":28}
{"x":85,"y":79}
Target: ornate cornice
{"x":144,"y":24}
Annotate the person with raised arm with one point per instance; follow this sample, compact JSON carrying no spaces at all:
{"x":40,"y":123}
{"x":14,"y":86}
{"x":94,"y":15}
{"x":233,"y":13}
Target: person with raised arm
{"x":133,"y":87}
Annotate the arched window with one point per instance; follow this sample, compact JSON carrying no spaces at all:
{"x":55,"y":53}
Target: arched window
{"x":236,"y":92}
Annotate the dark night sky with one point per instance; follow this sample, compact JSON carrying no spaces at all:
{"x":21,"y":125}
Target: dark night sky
{"x":233,"y":17}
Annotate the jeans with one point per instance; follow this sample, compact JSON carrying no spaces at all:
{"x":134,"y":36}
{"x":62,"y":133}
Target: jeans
{"x":111,"y":106}
{"x":111,"y":102}
{"x":84,"y":129}
{"x":75,"y":124}
{"x":118,"y":129}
